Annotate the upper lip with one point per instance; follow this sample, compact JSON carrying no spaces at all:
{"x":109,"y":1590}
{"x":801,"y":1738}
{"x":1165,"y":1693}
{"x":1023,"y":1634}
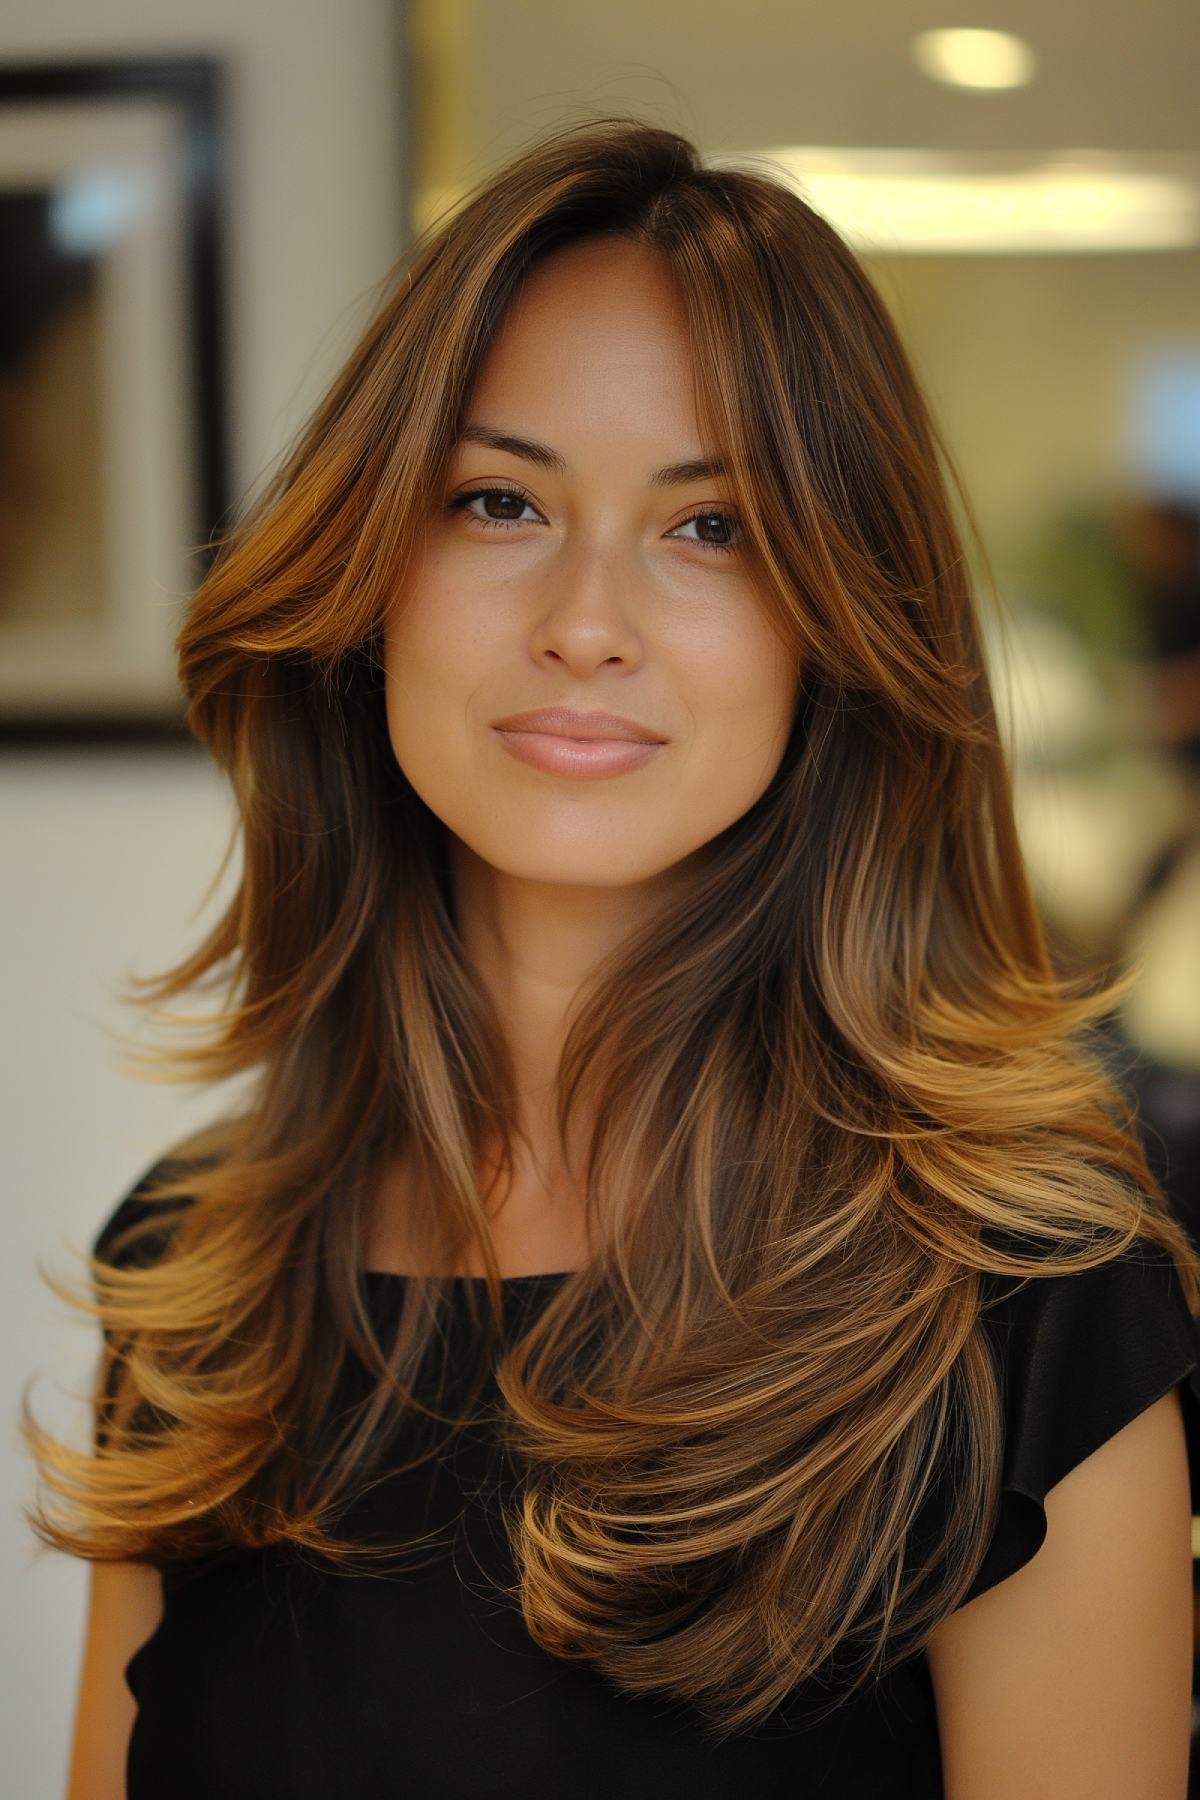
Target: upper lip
{"x":562,"y":721}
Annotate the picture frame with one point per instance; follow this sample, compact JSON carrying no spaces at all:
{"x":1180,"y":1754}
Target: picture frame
{"x":114,"y":463}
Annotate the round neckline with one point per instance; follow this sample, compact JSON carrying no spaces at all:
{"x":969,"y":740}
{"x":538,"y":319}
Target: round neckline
{"x":476,"y":1280}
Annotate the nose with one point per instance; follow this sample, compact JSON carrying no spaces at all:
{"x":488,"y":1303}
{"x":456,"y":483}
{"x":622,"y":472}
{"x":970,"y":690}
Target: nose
{"x":593,"y":601}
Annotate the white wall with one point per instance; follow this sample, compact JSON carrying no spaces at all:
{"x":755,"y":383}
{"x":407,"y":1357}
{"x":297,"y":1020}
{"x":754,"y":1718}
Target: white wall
{"x":107,"y":854}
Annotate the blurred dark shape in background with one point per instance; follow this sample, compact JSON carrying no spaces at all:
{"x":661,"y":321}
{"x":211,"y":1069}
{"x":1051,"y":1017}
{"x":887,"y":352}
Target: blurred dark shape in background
{"x":1160,"y":544}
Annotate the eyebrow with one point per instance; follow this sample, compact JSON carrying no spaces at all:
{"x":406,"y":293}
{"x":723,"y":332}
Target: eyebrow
{"x":670,"y":475}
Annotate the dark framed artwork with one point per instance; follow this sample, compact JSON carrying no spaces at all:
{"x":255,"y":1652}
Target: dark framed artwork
{"x":113,"y":410}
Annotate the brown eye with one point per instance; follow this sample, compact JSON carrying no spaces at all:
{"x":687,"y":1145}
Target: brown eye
{"x":715,"y":530}
{"x":504,"y":505}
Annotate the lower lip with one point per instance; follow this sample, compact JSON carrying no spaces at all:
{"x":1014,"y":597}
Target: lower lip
{"x":576,"y":756}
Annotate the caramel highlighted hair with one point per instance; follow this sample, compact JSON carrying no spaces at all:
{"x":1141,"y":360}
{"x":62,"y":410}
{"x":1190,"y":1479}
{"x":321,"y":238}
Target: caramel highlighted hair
{"x":825,"y":1099}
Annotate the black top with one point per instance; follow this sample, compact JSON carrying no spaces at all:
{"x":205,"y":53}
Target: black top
{"x":274,"y":1679}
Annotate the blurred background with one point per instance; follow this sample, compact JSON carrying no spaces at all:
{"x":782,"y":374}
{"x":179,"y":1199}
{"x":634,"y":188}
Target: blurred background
{"x":200,"y":206}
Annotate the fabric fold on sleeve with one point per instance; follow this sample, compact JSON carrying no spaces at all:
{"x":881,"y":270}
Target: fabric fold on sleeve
{"x":1079,"y":1357}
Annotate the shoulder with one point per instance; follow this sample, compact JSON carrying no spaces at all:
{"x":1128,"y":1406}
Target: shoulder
{"x":1073,"y":1675}
{"x":1068,"y":1663}
{"x":135,"y":1234}
{"x":137,"y":1229}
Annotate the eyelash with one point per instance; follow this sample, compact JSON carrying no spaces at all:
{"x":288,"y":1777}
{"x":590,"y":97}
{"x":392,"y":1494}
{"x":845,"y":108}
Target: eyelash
{"x":461,"y":501}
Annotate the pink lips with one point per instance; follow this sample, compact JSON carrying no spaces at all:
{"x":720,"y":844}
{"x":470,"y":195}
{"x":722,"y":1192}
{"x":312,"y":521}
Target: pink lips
{"x":565,"y":742}
{"x":564,"y":721}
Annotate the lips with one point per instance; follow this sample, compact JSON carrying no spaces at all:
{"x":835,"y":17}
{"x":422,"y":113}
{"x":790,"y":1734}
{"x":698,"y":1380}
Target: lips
{"x":585,"y":727}
{"x":587,"y":759}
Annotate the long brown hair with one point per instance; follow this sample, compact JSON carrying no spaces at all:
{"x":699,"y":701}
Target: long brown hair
{"x":826,"y":1099}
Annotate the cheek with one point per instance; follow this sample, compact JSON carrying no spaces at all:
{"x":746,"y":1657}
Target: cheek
{"x":431,"y":624}
{"x":437,"y":653}
{"x":741,"y":695}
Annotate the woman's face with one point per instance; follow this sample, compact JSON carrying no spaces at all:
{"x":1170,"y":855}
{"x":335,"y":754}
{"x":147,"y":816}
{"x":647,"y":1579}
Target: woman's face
{"x":570,"y":571}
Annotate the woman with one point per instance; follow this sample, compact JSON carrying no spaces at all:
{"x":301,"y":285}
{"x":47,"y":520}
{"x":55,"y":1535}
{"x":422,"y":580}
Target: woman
{"x":680,"y":1231}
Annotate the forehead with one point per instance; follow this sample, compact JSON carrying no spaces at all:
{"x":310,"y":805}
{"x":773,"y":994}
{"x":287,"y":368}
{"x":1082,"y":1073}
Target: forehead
{"x":596,"y":340}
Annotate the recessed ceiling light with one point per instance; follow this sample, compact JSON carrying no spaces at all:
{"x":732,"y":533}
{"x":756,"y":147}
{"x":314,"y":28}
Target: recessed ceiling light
{"x":985,"y":60}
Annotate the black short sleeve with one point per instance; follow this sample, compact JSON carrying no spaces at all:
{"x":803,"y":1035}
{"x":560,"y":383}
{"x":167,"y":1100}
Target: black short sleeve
{"x":1079,"y":1356}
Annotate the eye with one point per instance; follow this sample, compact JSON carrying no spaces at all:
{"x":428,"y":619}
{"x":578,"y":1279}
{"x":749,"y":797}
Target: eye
{"x":707,"y":519}
{"x":514,"y":498}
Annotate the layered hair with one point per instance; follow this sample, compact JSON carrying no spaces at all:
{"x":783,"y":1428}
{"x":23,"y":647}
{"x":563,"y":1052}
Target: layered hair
{"x":824,"y":1101}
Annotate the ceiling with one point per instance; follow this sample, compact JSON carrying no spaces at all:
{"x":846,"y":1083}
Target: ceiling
{"x":491,"y":76}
